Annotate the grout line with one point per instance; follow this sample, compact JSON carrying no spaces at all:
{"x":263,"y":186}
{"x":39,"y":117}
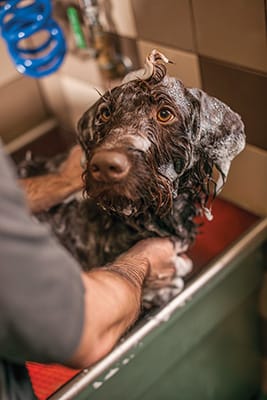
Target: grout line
{"x":193,"y":21}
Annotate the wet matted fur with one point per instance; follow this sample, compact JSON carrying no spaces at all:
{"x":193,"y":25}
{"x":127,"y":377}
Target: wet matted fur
{"x":173,"y":139}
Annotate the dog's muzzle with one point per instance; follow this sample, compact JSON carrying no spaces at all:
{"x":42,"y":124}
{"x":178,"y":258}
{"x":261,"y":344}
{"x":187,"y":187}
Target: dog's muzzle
{"x":109,"y":166}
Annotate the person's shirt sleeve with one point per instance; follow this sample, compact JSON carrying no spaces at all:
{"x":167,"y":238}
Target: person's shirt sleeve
{"x":41,"y":290}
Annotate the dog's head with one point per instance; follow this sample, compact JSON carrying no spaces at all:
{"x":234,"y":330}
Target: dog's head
{"x":150,"y":140}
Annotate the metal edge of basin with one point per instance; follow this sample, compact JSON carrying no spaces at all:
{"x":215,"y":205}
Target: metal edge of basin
{"x":246,"y":244}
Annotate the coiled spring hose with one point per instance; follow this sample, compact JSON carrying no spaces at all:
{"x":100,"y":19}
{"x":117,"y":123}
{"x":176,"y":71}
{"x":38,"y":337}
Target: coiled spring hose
{"x":20,"y":20}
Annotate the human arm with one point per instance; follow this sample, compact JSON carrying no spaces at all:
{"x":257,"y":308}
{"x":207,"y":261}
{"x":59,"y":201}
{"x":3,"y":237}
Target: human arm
{"x":41,"y":290}
{"x":50,"y":311}
{"x":43,"y":192}
{"x":114,"y":293}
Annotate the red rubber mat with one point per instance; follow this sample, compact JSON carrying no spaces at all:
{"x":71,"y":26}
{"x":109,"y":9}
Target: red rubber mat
{"x":46,"y":379}
{"x":228,"y":224}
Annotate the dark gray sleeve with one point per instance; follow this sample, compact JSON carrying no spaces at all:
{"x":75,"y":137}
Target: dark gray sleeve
{"x":41,"y":291}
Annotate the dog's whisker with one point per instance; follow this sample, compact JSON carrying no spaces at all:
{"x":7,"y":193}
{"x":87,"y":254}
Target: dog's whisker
{"x":98,"y":92}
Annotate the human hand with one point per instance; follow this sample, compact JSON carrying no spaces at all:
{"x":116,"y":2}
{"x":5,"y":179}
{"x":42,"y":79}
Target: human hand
{"x":71,"y":169}
{"x":164,"y":257}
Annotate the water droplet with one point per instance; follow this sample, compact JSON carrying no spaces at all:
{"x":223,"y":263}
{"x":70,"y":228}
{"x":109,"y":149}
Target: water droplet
{"x":27,"y":63}
{"x":21,"y":68}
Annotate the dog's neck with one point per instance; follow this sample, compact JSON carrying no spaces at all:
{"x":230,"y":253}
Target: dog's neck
{"x":178,"y":222}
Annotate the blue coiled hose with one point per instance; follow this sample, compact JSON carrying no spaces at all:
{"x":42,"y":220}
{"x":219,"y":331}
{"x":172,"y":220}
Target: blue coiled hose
{"x":19,"y":22}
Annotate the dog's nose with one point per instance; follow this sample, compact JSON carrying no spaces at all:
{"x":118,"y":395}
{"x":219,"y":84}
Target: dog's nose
{"x":109,"y":166}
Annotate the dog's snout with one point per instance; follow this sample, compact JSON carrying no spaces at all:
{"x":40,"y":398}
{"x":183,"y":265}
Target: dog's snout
{"x":109,"y":166}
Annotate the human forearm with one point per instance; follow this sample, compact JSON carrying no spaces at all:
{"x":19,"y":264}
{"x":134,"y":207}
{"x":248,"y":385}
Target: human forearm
{"x":43,"y":192}
{"x":113,"y":296}
{"x":112,"y":304}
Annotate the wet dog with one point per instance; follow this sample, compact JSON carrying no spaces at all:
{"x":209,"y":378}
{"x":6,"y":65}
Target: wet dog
{"x":156,"y":153}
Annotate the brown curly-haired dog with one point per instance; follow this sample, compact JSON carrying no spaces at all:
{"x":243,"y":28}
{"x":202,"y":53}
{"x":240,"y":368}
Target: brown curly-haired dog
{"x":151,"y":148}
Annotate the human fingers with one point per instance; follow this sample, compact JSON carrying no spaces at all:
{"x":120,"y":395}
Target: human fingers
{"x":160,"y":279}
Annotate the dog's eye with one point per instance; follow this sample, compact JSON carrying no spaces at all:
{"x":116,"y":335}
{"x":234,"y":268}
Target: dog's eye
{"x":104,"y":113}
{"x":164,"y":115}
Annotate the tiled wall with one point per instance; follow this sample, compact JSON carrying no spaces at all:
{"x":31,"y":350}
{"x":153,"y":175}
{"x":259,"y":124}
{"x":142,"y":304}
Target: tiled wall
{"x":217,"y":45}
{"x":226,"y":39}
{"x":220,"y":46}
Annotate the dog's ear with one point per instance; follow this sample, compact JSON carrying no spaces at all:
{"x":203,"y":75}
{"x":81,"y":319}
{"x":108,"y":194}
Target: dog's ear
{"x":84,"y":127}
{"x":218,"y":132}
{"x":83,"y":130}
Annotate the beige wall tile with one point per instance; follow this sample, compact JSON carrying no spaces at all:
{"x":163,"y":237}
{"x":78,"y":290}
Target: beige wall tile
{"x":168,"y":22}
{"x":21,"y":108}
{"x":244,"y":91}
{"x":247,"y":181}
{"x":53,"y":95}
{"x":78,"y":96}
{"x":186,"y":67}
{"x":68,"y":97}
{"x":88,"y":70}
{"x":119,"y":17}
{"x":232,"y":30}
{"x":8,"y":71}
{"x":85,"y":70}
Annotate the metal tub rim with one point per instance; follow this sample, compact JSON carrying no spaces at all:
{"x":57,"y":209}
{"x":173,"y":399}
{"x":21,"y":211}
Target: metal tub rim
{"x":246,"y":244}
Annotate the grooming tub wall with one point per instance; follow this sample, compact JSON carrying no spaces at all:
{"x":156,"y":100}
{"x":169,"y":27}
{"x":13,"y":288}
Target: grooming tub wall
{"x":204,"y":344}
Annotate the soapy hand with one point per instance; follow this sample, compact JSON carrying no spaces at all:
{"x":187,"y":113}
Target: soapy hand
{"x":163,"y":262}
